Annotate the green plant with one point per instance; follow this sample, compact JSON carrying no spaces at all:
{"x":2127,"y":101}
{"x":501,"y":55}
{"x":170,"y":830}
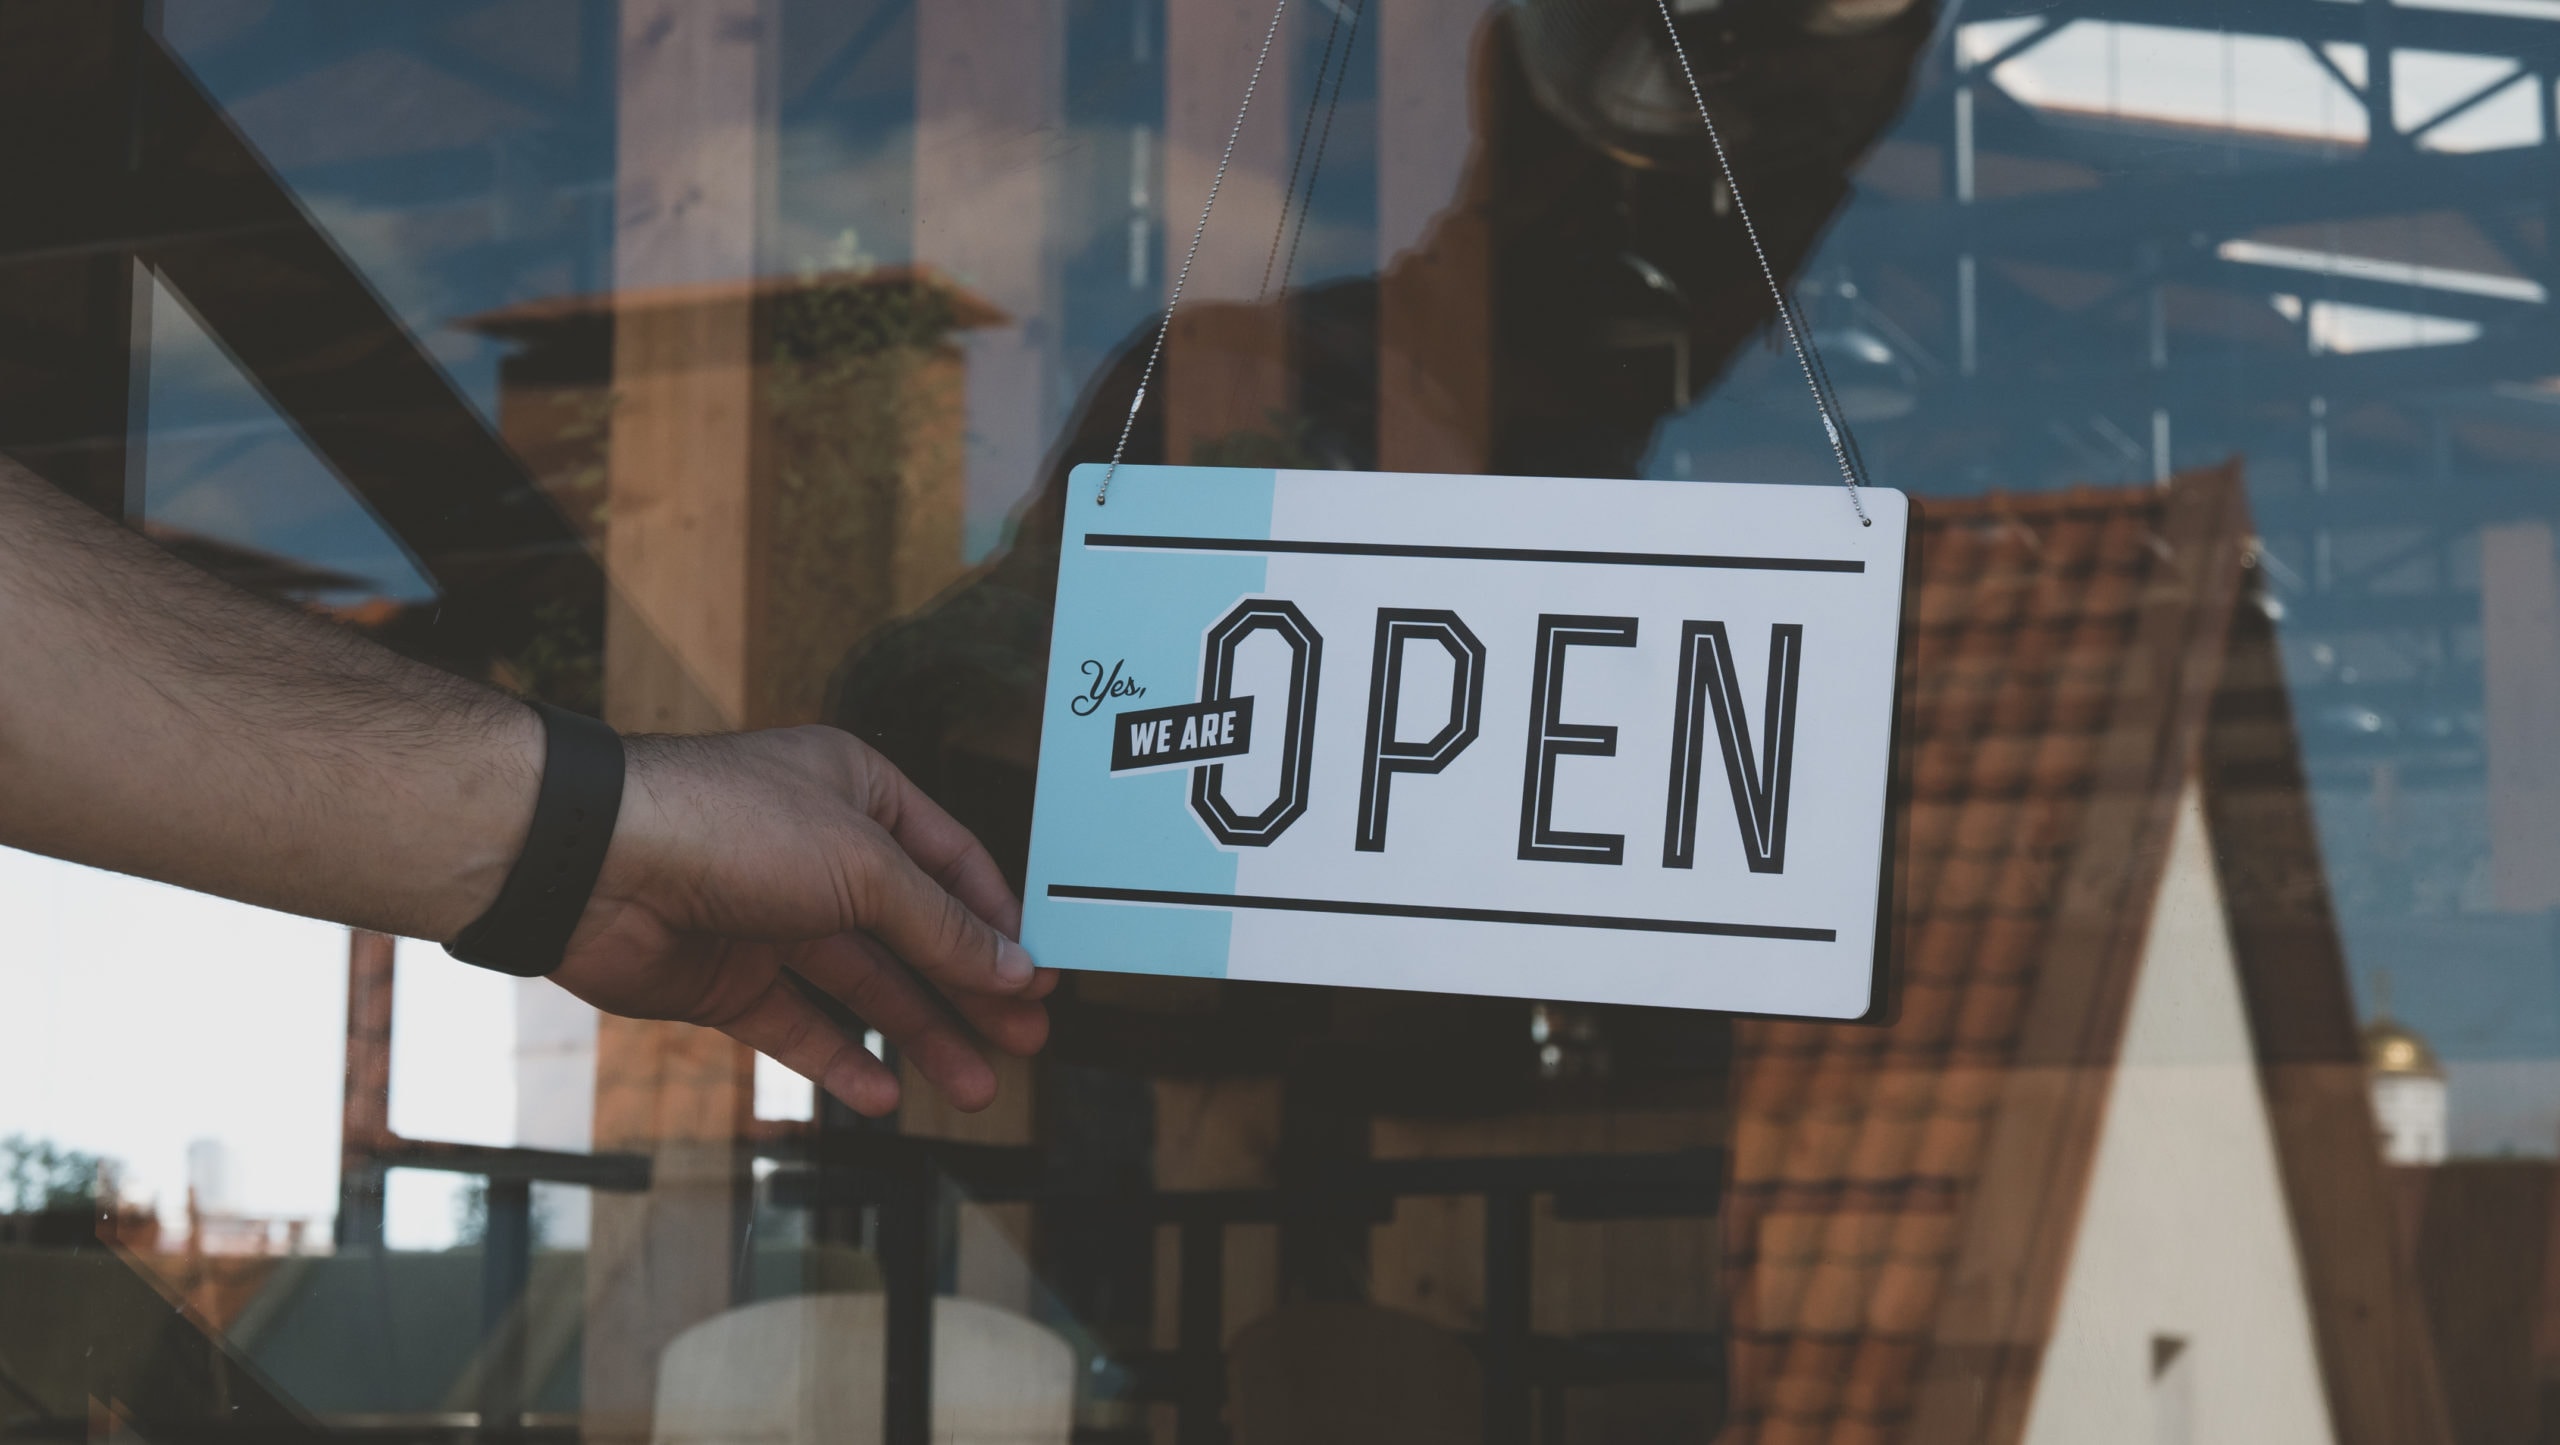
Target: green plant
{"x":562,"y":663}
{"x":38,"y":1175}
{"x":861,"y":316}
{"x":866,"y":414}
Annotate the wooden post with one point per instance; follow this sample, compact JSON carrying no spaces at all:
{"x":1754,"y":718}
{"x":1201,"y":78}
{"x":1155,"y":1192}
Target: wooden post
{"x":693,"y":182}
{"x":990,"y":105}
{"x":1203,"y":1346}
{"x":696,"y":127}
{"x":1218,"y":1134}
{"x":1226,"y":361}
{"x":1435,"y":251}
{"x":506,"y":1269}
{"x":1509,"y":1256}
{"x":993,"y":1242}
{"x":909,"y":1254}
{"x":365,"y":1122}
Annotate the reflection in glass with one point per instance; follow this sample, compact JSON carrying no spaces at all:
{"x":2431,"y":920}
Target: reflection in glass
{"x":716,"y":365}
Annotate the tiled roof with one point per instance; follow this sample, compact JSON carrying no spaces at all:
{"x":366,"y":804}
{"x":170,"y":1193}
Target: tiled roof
{"x":1903,"y":1197}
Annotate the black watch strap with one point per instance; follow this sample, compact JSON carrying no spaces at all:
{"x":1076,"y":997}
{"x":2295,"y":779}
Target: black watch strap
{"x":527,"y":930}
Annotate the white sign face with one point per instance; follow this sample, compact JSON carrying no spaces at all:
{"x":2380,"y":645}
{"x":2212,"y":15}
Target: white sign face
{"x":1605,"y":741}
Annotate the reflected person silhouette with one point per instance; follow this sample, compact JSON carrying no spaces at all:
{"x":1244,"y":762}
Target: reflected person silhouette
{"x":1587,"y":277}
{"x":1591,"y":241}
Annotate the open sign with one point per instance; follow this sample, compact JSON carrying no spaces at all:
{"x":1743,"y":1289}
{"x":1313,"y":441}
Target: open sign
{"x":1593,"y":740}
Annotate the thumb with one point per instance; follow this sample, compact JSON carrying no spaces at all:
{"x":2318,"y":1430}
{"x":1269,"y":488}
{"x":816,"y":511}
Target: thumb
{"x":933,"y":932}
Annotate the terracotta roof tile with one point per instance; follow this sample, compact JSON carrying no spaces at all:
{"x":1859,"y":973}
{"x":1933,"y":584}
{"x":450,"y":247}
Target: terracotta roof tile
{"x":1759,"y":1141}
{"x":1942,"y":950}
{"x":1951,"y":1144}
{"x":1821,"y":1142}
{"x":1929,"y":1008}
{"x":1808,"y":1383}
{"x":1756,"y":1359}
{"x":1855,"y":1148}
{"x":1886,"y":1146}
{"x":1906,"y":1294}
{"x":1970,"y":1089}
{"x":1857,"y":1430}
{"x":1880,"y":1375}
{"x":1990,"y":1015}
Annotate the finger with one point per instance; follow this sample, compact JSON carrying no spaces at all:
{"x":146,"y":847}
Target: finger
{"x":866,"y":979}
{"x":1019,"y":1026}
{"x":789,"y":1029}
{"x":1043,"y":984}
{"x":930,"y":929}
{"x":949,"y":853}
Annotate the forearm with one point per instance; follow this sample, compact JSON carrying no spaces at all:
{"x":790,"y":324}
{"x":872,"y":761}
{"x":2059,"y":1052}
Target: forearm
{"x":159,"y":722}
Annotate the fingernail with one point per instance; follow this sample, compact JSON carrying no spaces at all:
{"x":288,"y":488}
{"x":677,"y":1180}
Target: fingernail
{"x":1013,"y":965}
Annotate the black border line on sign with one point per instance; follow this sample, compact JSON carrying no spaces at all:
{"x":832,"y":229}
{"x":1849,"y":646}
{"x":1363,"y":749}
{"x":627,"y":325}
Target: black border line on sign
{"x":1162,"y":896}
{"x":1134,"y":541}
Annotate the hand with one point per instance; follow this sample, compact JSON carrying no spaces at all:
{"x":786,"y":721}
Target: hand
{"x":742,"y":856}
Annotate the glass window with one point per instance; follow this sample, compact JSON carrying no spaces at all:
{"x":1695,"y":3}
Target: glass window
{"x":714,"y":364}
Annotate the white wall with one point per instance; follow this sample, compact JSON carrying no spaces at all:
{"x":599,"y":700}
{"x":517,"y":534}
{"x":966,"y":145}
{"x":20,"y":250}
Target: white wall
{"x":2411,"y":1109}
{"x":2185,"y":1233}
{"x":556,"y":1094}
{"x":140,"y":1018}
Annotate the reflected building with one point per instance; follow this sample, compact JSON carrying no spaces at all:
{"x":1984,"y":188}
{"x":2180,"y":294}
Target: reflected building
{"x":853,"y":390}
{"x":2177,"y":753}
{"x":2408,"y":1093}
{"x":2124,"y":1014}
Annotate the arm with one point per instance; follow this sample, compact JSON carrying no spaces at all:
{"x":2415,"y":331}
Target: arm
{"x":158,"y":722}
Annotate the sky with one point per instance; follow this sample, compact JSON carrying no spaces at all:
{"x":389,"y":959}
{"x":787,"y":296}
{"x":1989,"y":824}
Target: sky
{"x":2259,"y":83}
{"x":219,"y":462}
{"x":137,"y":1018}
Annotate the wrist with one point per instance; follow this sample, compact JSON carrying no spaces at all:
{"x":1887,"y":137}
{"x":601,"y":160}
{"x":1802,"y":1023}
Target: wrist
{"x":639,"y":863}
{"x":527,"y":927}
{"x":494,"y":785}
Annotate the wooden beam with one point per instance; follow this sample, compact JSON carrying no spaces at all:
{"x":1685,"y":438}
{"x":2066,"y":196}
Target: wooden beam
{"x":1647,"y":1274}
{"x":2367,"y":1308}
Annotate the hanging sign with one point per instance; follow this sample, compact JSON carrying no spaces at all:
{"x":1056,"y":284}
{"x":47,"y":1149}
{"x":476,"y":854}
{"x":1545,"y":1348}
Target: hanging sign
{"x":1606,"y":741}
